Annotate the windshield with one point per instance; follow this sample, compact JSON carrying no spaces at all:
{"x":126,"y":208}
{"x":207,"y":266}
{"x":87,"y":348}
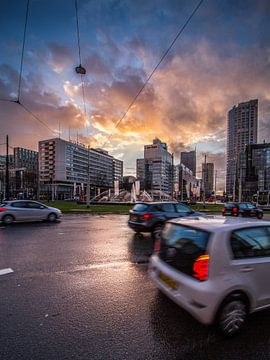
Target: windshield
{"x":140,"y":207}
{"x":182,"y":245}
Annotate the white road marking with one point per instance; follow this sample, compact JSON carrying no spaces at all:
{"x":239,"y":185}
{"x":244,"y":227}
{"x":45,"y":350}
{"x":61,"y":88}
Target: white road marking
{"x":6,"y":271}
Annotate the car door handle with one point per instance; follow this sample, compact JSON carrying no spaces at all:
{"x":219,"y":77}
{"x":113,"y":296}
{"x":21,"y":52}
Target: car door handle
{"x":247,"y":269}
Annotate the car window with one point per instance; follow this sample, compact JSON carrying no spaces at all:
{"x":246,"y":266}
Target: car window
{"x":252,"y":242}
{"x":250,"y":206}
{"x":243,"y":206}
{"x":229,"y":205}
{"x":167,"y":207}
{"x":19,"y":204}
{"x":155,"y":208}
{"x":182,"y":208}
{"x":181,"y":236}
{"x":182,"y":245}
{"x":34,"y":205}
{"x":140,"y":207}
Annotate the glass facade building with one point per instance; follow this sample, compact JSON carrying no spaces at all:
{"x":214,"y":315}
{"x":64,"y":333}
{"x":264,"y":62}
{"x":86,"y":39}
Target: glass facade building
{"x":242,"y":130}
{"x":188,"y":158}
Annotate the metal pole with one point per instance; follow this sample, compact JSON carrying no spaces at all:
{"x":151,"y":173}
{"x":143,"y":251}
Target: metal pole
{"x":234,"y":185}
{"x":215,"y":186}
{"x":7,"y":171}
{"x":203,"y":173}
{"x":182,"y":183}
{"x":172,"y":175}
{"x":240,"y":186}
{"x":88,"y":179}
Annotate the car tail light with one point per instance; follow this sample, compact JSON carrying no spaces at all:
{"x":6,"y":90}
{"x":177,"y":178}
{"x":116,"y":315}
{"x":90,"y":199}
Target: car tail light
{"x":147,"y":216}
{"x":157,"y":246}
{"x":234,"y":209}
{"x":2,"y":209}
{"x":200,"y":267}
{"x":224,"y":209}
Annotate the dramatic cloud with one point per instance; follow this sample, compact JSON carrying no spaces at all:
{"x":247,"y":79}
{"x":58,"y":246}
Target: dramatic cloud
{"x":215,"y":65}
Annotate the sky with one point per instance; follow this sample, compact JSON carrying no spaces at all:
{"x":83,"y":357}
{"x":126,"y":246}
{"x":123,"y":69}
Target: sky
{"x":221,"y":59}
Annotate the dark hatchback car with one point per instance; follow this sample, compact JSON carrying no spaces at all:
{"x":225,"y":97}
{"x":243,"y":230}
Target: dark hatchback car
{"x":151,"y":217}
{"x":242,"y":209}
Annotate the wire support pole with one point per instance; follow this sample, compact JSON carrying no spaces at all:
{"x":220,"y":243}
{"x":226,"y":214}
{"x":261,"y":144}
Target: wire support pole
{"x":22,"y":54}
{"x":155,"y":68}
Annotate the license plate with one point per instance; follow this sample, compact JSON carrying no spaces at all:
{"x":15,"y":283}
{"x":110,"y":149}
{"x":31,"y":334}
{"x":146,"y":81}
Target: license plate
{"x":168,"y":281}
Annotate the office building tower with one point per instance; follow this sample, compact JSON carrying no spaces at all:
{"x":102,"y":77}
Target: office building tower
{"x":257,"y":179}
{"x":188,"y":158}
{"x":241,"y":131}
{"x":155,"y":170}
{"x":208,"y":179}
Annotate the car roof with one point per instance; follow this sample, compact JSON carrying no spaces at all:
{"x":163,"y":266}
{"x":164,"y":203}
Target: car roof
{"x":159,"y":202}
{"x":217,"y":223}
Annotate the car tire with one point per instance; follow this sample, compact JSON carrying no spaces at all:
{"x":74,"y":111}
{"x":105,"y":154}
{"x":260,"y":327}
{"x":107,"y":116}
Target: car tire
{"x":8,"y":219}
{"x":232,"y":315}
{"x":52,"y":217}
{"x":157,"y":231}
{"x":259,"y":215}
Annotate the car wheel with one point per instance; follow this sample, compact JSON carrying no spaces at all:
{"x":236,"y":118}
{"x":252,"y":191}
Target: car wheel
{"x":232,"y":316}
{"x":52,"y":217}
{"x":260,"y":215}
{"x":8,"y":219}
{"x":156,"y":233}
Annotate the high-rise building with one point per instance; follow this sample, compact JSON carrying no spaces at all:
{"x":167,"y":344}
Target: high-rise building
{"x":257,"y":177}
{"x":64,"y":168}
{"x":155,"y":170}
{"x":188,"y":158}
{"x":241,"y":131}
{"x":23,"y":173}
{"x":208,"y":178}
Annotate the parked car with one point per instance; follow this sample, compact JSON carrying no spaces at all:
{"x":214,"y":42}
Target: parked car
{"x":215,"y":268}
{"x":151,"y":216}
{"x":26,"y":210}
{"x":242,"y":209}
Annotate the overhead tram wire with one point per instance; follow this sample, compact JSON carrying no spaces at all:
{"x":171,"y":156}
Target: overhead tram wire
{"x":37,"y":118}
{"x":153,"y":71}
{"x":23,"y":46}
{"x":18,"y":101}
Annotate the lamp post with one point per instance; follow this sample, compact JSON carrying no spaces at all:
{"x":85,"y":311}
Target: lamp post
{"x":7,"y":171}
{"x":88,"y":179}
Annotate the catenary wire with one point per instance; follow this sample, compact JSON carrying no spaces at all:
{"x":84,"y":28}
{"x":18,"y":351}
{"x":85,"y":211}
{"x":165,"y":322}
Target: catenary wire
{"x":36,"y":117}
{"x":153,"y":71}
{"x":22,"y":54}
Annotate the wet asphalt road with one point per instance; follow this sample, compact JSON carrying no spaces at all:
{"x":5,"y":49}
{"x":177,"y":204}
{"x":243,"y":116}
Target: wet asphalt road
{"x":80,"y":290}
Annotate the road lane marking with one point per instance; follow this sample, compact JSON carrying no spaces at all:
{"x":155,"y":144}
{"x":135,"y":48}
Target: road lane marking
{"x":6,"y":271}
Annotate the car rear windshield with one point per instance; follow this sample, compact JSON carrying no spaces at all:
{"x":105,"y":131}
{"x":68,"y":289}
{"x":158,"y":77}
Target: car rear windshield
{"x":182,"y":245}
{"x":140,"y":207}
{"x":229,"y":205}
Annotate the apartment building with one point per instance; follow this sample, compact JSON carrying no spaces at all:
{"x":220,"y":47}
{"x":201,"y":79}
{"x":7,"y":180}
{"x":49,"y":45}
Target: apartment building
{"x":65,"y":168}
{"x":155,"y":170}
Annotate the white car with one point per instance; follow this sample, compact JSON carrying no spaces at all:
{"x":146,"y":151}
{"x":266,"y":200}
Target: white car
{"x":27,"y":210}
{"x":215,"y":268}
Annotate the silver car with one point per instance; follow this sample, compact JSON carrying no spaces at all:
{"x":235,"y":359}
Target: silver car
{"x":27,"y":210}
{"x":217,"y":269}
